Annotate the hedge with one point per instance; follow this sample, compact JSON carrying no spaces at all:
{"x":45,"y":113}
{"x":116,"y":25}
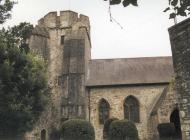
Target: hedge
{"x":76,"y":129}
{"x":122,"y":130}
{"x":54,"y":134}
{"x":107,"y":126}
{"x":166,"y":130}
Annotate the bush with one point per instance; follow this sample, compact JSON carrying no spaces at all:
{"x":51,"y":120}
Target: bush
{"x":54,"y":134}
{"x":166,"y":130}
{"x":76,"y":129}
{"x":107,"y":126}
{"x":123,"y":130}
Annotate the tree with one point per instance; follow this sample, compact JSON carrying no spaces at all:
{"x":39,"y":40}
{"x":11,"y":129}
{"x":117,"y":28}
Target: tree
{"x":19,"y":35}
{"x":23,"y":83}
{"x":24,"y":90}
{"x":5,"y":9}
{"x":177,"y":7}
{"x":124,"y":2}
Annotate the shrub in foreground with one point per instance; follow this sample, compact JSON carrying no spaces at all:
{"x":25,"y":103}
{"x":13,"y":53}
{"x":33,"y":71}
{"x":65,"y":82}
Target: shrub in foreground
{"x":123,"y":130}
{"x":54,"y":134}
{"x":166,"y":130}
{"x":76,"y":129}
{"x":107,"y":126}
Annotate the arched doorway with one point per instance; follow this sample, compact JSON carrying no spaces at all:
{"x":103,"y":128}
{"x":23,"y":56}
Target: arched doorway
{"x":43,"y":134}
{"x":174,"y":118}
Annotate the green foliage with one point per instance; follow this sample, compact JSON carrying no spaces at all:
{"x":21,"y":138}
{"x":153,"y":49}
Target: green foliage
{"x":22,"y":31}
{"x":54,"y":134}
{"x":107,"y":126}
{"x":166,"y":130}
{"x":178,"y":8}
{"x":23,"y":86}
{"x":5,"y":9}
{"x":122,"y":130}
{"x":18,"y":35}
{"x":124,"y":2}
{"x":76,"y":129}
{"x":112,"y":2}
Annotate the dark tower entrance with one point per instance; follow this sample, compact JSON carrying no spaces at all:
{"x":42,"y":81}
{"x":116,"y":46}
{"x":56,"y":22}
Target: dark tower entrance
{"x":174,"y":118}
{"x":43,"y":134}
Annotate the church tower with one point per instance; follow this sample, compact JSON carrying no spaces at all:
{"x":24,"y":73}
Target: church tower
{"x":64,"y":42}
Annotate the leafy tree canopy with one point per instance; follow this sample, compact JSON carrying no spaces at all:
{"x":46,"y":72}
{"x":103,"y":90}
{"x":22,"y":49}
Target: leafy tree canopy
{"x":18,"y":35}
{"x":124,"y":2}
{"x":23,"y":82}
{"x":177,"y":7}
{"x":5,"y":9}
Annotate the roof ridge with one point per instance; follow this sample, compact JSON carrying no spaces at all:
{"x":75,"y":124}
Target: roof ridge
{"x":155,"y":57}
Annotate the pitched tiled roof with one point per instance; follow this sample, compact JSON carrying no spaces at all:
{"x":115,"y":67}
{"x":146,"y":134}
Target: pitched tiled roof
{"x":147,"y":70}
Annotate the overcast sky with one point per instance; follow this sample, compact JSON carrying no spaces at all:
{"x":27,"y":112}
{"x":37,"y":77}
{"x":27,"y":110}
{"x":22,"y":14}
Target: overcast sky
{"x":144,"y":30}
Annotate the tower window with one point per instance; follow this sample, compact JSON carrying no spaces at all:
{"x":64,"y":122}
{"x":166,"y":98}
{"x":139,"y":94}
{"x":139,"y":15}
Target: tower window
{"x":131,"y":109}
{"x":65,"y":111}
{"x":79,"y":110}
{"x":104,"y":111}
{"x":62,"y":39}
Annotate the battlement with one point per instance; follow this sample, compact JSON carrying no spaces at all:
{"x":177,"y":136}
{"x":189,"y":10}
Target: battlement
{"x":65,"y":19}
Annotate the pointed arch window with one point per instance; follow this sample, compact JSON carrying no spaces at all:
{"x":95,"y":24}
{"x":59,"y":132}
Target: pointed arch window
{"x":131,"y":109}
{"x":104,"y":111}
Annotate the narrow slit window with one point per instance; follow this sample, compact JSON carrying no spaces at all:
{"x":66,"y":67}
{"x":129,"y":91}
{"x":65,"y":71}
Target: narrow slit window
{"x":62,"y":39}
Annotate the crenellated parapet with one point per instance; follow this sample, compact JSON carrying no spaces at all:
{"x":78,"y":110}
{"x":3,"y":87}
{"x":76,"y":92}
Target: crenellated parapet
{"x":64,"y":19}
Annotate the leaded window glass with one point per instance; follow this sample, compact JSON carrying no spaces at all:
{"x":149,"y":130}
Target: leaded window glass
{"x":104,"y":111}
{"x":131,"y":109}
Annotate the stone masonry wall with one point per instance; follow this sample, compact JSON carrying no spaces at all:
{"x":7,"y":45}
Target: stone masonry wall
{"x":162,"y":112}
{"x":180,"y":43}
{"x":167,"y":107}
{"x":116,"y":96}
{"x":64,"y":42}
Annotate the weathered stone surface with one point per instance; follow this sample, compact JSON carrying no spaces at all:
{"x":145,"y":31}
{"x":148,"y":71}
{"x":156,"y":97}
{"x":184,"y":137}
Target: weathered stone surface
{"x":66,"y":20}
{"x":78,"y":83}
{"x":180,"y":42}
{"x":115,"y":96}
{"x":145,"y":70}
{"x":63,"y":41}
{"x":162,"y":111}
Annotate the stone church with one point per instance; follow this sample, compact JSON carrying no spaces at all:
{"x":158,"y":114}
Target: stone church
{"x":138,"y":89}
